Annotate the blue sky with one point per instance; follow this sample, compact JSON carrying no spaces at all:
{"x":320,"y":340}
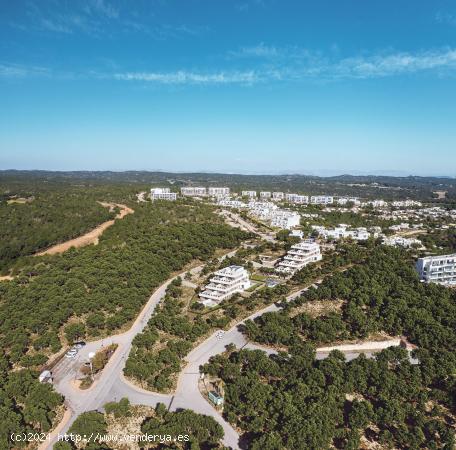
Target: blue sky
{"x":247,"y":86}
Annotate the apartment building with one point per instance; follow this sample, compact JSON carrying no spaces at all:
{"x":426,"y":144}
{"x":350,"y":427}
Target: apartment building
{"x":342,"y":201}
{"x":342,"y":231}
{"x":399,"y":241}
{"x":296,"y":198}
{"x":191,"y":191}
{"x":437,"y":269}
{"x":377,"y":204}
{"x":162,"y":194}
{"x":230,"y":203}
{"x":223,"y":284}
{"x":406,"y":203}
{"x":278,"y":196}
{"x":249,"y":194}
{"x":299,"y":255}
{"x":264,"y":195}
{"x":286,"y":220}
{"x":218,"y":191}
{"x":321,"y":199}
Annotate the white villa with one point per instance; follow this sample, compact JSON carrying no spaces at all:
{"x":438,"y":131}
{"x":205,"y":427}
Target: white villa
{"x":224,"y":283}
{"x":437,"y":269}
{"x":191,"y":191}
{"x":162,"y":194}
{"x":298,"y":256}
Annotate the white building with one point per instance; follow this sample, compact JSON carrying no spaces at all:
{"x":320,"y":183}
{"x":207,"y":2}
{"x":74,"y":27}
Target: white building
{"x":296,"y":198}
{"x":377,"y":203}
{"x":218,"y":191}
{"x":357,"y":234}
{"x":278,"y":196}
{"x":344,"y":200}
{"x":227,"y":202}
{"x":399,"y":241}
{"x":223,"y":284}
{"x":298,"y":256}
{"x":162,"y":194}
{"x":437,"y":269}
{"x":285,"y":220}
{"x":249,"y":194}
{"x":264,"y":195}
{"x":321,"y":199}
{"x":191,"y":191}
{"x":406,"y":203}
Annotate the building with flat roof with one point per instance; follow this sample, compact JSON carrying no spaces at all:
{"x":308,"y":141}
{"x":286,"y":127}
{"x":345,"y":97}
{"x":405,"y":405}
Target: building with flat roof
{"x":437,"y":269}
{"x":162,"y":194}
{"x":193,"y":191}
{"x":321,"y":199}
{"x":277,"y":196}
{"x":298,"y":199}
{"x":299,"y":256}
{"x":218,"y":191}
{"x":223,"y":284}
{"x":286,"y":220}
{"x":249,"y":194}
{"x":264,"y":195}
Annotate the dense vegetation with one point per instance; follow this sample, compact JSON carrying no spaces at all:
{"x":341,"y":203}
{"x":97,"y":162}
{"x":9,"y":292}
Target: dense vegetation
{"x":40,"y":219}
{"x":421,"y":188}
{"x":95,"y":290}
{"x":441,"y":241}
{"x":305,"y":403}
{"x":183,"y":429}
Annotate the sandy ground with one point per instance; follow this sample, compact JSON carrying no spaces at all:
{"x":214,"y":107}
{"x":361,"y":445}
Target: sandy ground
{"x":92,"y":236}
{"x":6,"y":277}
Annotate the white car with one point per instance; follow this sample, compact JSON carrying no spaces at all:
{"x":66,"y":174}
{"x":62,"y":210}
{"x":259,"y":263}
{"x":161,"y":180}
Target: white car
{"x":71,"y":353}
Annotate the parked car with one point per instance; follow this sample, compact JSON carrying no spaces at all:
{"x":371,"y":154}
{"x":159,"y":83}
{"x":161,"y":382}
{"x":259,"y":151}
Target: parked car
{"x":71,"y":353}
{"x":79,"y":345}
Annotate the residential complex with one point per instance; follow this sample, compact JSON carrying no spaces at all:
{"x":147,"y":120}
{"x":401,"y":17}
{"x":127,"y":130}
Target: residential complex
{"x":296,"y":198}
{"x":223,"y":284}
{"x":399,"y":241}
{"x":277,"y":196}
{"x":298,"y":256}
{"x":321,"y":199}
{"x":285,"y":220}
{"x":265,"y":195}
{"x":218,"y":191}
{"x":162,"y":194}
{"x":344,"y":200}
{"x":249,"y":194}
{"x":190,"y":191}
{"x":437,"y":269}
{"x":342,"y":231}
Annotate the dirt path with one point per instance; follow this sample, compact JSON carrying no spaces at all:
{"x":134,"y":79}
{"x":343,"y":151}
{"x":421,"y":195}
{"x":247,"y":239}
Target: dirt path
{"x":90,"y":237}
{"x":6,"y":278}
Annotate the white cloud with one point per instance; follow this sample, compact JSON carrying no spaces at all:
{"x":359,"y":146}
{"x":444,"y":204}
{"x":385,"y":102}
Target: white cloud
{"x":445,"y":17}
{"x":186,"y":77}
{"x":20,"y":71}
{"x":391,"y":64}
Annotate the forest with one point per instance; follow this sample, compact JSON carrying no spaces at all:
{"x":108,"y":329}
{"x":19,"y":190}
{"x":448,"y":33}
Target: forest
{"x":92,"y":291}
{"x":192,"y":431}
{"x":305,"y":403}
{"x":35,"y":220}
